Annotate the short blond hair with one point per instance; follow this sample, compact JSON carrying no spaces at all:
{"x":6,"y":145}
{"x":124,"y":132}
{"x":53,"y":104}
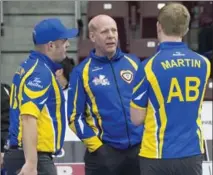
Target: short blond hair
{"x":174,"y":19}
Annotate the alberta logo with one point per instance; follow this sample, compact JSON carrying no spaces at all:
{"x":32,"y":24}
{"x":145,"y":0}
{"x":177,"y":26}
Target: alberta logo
{"x":101,"y":80}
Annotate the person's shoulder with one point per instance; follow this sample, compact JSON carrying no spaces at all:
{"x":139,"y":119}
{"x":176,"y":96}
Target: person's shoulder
{"x":24,"y":67}
{"x":198,"y":56}
{"x":133,"y":57}
{"x":151,"y":58}
{"x":79,"y":67}
{"x":202,"y":57}
{"x":31,"y":65}
{"x":36,"y":68}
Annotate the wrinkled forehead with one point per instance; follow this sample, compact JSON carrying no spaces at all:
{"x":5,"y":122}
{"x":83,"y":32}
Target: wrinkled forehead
{"x":106,"y":24}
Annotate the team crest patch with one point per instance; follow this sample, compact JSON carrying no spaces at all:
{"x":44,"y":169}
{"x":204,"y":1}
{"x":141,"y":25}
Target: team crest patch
{"x":127,"y":75}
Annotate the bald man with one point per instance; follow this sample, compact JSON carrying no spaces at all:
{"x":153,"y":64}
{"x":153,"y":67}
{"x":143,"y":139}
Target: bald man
{"x":99,"y":95}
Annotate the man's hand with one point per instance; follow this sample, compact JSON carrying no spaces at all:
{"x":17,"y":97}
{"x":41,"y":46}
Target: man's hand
{"x":28,"y":169}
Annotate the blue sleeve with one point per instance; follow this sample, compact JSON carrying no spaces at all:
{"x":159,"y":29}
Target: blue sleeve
{"x":140,"y":91}
{"x":33,"y":93}
{"x":76,"y":109}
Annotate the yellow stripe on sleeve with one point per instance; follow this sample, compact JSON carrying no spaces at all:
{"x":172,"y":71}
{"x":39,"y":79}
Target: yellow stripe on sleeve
{"x":23,"y":80}
{"x":90,"y":94}
{"x":157,"y":90}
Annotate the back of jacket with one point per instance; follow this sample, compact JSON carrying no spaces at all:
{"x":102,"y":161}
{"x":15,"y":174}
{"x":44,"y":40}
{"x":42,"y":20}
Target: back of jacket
{"x":103,"y":88}
{"x":174,"y":82}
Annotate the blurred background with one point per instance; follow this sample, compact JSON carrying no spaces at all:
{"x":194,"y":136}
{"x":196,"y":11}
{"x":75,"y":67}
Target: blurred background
{"x":136,"y":22}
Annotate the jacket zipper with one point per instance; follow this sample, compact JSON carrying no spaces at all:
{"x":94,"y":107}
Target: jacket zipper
{"x":127,"y":129}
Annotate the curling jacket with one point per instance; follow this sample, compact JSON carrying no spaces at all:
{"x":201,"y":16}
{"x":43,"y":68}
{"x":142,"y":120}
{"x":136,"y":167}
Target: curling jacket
{"x":99,"y":97}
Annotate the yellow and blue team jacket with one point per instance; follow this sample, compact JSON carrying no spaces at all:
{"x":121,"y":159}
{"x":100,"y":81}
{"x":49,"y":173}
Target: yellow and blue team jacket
{"x":99,"y":98}
{"x":36,"y":92}
{"x":171,"y":87}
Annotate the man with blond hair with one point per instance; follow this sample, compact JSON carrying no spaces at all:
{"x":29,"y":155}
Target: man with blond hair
{"x":167,"y":98}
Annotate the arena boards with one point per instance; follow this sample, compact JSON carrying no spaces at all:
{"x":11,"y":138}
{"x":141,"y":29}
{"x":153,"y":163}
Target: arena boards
{"x":71,"y":160}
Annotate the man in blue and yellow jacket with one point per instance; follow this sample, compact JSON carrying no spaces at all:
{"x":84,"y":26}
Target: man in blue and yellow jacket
{"x":37,"y":110}
{"x":99,"y":96}
{"x":167,"y":100}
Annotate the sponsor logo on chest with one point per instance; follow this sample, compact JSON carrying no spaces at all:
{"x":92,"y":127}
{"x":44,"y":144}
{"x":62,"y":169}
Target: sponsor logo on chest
{"x":101,"y":80}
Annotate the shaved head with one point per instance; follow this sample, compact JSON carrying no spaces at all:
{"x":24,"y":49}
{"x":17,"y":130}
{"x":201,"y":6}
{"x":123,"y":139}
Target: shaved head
{"x":98,"y":21}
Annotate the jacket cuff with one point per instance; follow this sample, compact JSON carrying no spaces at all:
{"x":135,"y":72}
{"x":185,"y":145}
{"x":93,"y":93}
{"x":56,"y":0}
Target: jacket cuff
{"x":92,"y":143}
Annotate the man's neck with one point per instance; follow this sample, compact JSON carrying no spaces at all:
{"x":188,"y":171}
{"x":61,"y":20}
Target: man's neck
{"x":43,"y":51}
{"x":109,"y":55}
{"x":170,"y":39}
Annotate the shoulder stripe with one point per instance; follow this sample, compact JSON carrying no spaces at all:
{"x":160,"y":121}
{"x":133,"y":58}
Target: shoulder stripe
{"x":94,"y":106}
{"x":28,"y":73}
{"x":133,"y":63}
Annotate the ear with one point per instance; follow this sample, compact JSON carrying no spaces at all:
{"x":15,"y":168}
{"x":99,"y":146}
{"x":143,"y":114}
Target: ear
{"x":92,"y":36}
{"x":158,"y":26}
{"x":186,"y":32}
{"x":50,"y":45}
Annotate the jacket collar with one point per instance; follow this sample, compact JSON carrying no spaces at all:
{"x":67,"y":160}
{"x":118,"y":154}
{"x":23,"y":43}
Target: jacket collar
{"x":44,"y":58}
{"x":118,"y":55}
{"x":171,"y":45}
